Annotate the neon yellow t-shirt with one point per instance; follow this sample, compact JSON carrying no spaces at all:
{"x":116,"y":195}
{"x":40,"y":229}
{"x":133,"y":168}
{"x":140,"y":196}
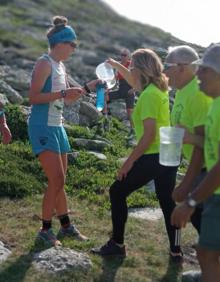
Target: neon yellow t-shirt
{"x":152,"y":103}
{"x":190,"y":110}
{"x":212,"y":136}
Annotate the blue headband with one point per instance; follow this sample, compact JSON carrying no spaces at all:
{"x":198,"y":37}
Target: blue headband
{"x":67,"y":34}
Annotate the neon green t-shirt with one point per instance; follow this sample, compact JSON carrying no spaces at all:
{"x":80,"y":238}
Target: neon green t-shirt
{"x":212,"y":136}
{"x":152,"y":103}
{"x":190,"y":110}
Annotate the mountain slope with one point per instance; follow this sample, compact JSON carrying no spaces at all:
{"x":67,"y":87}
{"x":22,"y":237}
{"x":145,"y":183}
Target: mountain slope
{"x":101,"y":32}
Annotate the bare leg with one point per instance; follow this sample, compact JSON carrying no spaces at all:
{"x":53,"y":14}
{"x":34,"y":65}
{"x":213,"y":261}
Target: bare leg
{"x":52,"y":165}
{"x":210,"y":265}
{"x":61,"y":203}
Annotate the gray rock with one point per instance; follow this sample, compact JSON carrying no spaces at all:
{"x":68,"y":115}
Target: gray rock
{"x":191,"y":276}
{"x":3,"y":99}
{"x":118,"y":109}
{"x":71,"y":116}
{"x":90,"y":111}
{"x":132,"y":142}
{"x":99,"y":156}
{"x":19,"y":80}
{"x":71,"y":112}
{"x":4,"y":252}
{"x":88,"y":144}
{"x":150,"y":186}
{"x":13,"y":96}
{"x":72,"y":156}
{"x":84,"y":120}
{"x":152,"y":214}
{"x":59,"y":260}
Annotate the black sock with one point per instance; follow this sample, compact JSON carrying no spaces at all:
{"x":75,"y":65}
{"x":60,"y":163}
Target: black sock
{"x":64,"y":220}
{"x":46,"y":224}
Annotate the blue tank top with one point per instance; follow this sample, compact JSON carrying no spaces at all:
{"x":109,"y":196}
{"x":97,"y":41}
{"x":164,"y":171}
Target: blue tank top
{"x":50,"y":113}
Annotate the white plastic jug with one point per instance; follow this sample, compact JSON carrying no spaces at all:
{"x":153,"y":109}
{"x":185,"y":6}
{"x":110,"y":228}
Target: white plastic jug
{"x":105,"y":72}
{"x":171,"y":139}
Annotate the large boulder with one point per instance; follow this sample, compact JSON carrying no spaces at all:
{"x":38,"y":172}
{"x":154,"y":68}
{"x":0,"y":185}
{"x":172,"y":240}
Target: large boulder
{"x":89,"y":110}
{"x":12,"y":95}
{"x":118,"y":109}
{"x":59,"y":260}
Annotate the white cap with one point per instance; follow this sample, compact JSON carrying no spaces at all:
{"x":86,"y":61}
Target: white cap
{"x":211,"y":58}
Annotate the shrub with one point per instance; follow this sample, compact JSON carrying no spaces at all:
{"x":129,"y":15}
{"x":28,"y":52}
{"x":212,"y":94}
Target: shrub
{"x":21,"y":174}
{"x":16,"y":121}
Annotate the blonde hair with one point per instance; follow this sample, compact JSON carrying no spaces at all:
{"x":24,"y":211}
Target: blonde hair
{"x":150,"y":67}
{"x":59,"y":22}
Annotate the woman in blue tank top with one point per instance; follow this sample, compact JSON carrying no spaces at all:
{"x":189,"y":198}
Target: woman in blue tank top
{"x":49,"y":91}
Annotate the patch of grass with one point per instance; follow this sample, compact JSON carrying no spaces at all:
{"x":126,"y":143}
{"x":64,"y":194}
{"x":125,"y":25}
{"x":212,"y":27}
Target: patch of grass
{"x":147,"y":245}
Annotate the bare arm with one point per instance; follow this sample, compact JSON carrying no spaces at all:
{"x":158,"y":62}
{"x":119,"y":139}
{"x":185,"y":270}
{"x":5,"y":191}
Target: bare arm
{"x":196,"y":138}
{"x":5,"y":131}
{"x":41,"y":73}
{"x":194,"y":168}
{"x":205,"y":189}
{"x":144,"y":143}
{"x":180,"y":193}
{"x":123,"y":71}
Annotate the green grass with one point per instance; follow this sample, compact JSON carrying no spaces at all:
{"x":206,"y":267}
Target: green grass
{"x":146,"y":242}
{"x":87,"y":184}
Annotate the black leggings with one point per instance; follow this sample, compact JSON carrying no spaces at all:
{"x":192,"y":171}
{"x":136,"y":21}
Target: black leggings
{"x":146,"y":168}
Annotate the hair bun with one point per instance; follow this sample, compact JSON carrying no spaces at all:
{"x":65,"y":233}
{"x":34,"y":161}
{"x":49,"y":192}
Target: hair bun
{"x":60,"y":21}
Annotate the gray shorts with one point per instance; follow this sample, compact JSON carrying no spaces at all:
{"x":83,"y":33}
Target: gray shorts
{"x":122,"y":93}
{"x":210,"y":227}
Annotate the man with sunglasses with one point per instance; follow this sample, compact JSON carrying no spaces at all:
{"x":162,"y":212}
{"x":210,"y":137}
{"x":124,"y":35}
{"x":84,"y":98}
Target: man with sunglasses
{"x":189,"y":111}
{"x":208,"y":191}
{"x":124,"y":91}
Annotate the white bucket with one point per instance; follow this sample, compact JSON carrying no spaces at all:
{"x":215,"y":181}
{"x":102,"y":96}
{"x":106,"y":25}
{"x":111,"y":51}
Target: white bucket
{"x":105,"y":72}
{"x":171,"y":139}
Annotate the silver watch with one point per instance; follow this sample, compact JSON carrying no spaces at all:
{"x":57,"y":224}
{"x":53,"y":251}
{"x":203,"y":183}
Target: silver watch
{"x":63,"y":93}
{"x":190,"y":201}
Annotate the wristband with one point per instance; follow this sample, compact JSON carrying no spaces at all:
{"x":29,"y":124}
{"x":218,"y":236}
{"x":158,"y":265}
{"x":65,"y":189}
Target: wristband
{"x":190,"y":201}
{"x":87,"y":88}
{"x":63,"y":93}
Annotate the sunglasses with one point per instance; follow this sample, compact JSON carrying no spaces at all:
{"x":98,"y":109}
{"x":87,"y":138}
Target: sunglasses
{"x":167,"y":66}
{"x":72,"y":44}
{"x":124,"y":55}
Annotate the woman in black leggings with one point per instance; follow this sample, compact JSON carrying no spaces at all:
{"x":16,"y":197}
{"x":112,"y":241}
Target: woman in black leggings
{"x":150,"y":113}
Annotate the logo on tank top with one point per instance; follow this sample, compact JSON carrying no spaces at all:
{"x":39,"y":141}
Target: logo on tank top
{"x":43,"y":140}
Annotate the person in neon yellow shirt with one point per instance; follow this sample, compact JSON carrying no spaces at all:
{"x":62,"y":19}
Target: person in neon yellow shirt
{"x":189,"y":111}
{"x":208,"y":191}
{"x":151,"y":112}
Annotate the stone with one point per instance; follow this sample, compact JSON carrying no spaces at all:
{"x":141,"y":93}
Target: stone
{"x":88,"y":144}
{"x":118,"y":109}
{"x":146,"y":213}
{"x":90,"y":111}
{"x":192,"y":276}
{"x":4,"y":252}
{"x":59,"y":260}
{"x":12,"y":95}
{"x":99,"y":156}
{"x":3,"y":99}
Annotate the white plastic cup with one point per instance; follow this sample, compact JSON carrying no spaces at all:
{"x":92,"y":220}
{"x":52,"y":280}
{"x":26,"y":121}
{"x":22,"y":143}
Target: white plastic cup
{"x":105,"y":72}
{"x":171,"y":140}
